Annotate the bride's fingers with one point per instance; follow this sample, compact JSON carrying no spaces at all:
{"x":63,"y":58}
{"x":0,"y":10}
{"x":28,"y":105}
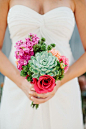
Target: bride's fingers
{"x":32,"y":89}
{"x":39,"y":100}
{"x":33,"y":93}
{"x":31,"y":86}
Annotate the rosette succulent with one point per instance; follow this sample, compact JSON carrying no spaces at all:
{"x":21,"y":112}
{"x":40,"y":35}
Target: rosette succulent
{"x":43,"y":63}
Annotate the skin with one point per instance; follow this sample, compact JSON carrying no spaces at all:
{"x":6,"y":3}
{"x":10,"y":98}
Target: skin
{"x":8,"y":69}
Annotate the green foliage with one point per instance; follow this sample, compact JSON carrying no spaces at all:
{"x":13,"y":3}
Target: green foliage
{"x":25,"y":68}
{"x":53,"y":45}
{"x":60,"y":74}
{"x":42,"y":46}
{"x":37,"y":48}
{"x":49,"y":47}
{"x":34,"y":105}
{"x":22,"y":73}
{"x":29,"y":78}
{"x":43,"y":39}
{"x":26,"y":72}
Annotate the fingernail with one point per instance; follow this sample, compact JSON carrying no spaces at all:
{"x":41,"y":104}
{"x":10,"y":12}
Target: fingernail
{"x":32,"y":89}
{"x":31,"y":97}
{"x":30,"y":92}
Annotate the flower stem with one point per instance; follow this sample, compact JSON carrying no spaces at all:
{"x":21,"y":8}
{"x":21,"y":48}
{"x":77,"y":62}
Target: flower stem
{"x":34,"y":105}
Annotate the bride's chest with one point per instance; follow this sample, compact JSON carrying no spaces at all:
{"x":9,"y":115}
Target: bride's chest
{"x":57,"y":22}
{"x":42,"y":6}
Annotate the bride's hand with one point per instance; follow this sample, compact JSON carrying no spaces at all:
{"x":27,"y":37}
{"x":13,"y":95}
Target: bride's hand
{"x":27,"y":87}
{"x":42,"y":98}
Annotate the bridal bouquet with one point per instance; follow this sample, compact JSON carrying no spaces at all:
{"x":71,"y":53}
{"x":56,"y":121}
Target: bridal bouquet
{"x":40,"y":63}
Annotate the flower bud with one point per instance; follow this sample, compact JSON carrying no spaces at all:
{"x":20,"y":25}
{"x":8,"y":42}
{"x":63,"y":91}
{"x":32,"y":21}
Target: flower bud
{"x":62,"y":65}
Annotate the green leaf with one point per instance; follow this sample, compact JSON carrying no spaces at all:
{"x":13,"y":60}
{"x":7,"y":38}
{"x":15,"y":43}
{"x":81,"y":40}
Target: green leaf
{"x":62,"y":71}
{"x":42,"y":73}
{"x":53,"y":45}
{"x":51,"y":74}
{"x":50,"y":54}
{"x":56,"y":77}
{"x":29,"y":79}
{"x":48,"y":71}
{"x":57,"y":72}
{"x":25,"y":68}
{"x":35,"y":75}
{"x":39,"y":42}
{"x":35,"y":71}
{"x":43,"y":48}
{"x":43,"y":69}
{"x":43,"y":39}
{"x":58,"y":63}
{"x":32,"y":57}
{"x":45,"y":44}
{"x":29,"y":72}
{"x":37,"y":105}
{"x":22,"y":73}
{"x":49,"y":47}
{"x":32,"y":105}
{"x":54,"y":69}
{"x":31,"y":69}
{"x":57,"y":67}
{"x":28,"y":65}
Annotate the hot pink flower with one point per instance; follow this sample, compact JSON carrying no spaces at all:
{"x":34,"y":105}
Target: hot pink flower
{"x":46,"y":83}
{"x":20,"y":63}
{"x":24,"y":50}
{"x":64,"y":60}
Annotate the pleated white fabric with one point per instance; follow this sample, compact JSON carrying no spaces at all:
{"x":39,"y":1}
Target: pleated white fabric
{"x":63,"y":111}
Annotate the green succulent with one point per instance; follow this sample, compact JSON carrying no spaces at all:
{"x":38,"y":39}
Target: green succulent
{"x":43,"y":63}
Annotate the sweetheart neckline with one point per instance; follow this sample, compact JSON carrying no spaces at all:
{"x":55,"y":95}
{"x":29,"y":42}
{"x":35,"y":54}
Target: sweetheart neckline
{"x":39,"y":13}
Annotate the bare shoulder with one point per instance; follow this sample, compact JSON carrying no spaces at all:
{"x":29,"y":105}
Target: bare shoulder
{"x":80,"y":16}
{"x":80,"y":8}
{"x":80,"y":1}
{"x":4,"y":1}
{"x":4,"y":7}
{"x":80,"y":5}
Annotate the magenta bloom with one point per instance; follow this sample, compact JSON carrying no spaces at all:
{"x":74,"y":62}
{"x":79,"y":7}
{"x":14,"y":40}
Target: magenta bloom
{"x":21,"y":63}
{"x":24,"y":50}
{"x":64,"y":60}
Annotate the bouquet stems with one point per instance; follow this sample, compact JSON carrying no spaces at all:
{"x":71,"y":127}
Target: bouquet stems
{"x":34,"y":105}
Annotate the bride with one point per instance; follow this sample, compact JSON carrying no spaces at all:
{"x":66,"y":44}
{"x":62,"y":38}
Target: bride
{"x":54,"y":20}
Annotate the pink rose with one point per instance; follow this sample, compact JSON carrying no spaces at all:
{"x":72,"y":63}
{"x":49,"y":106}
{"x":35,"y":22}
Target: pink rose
{"x":46,"y":83}
{"x":64,"y":60}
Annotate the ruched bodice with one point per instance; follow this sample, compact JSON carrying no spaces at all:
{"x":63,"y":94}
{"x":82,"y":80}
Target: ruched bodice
{"x":56,"y":26}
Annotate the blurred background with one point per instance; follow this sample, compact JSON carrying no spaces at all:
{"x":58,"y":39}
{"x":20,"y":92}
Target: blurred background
{"x":77,"y":50}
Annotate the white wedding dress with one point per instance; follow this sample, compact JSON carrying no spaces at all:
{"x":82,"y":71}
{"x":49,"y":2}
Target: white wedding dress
{"x":63,"y":111}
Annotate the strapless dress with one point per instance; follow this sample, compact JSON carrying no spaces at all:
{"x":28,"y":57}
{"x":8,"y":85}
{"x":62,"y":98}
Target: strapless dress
{"x":64,"y":110}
